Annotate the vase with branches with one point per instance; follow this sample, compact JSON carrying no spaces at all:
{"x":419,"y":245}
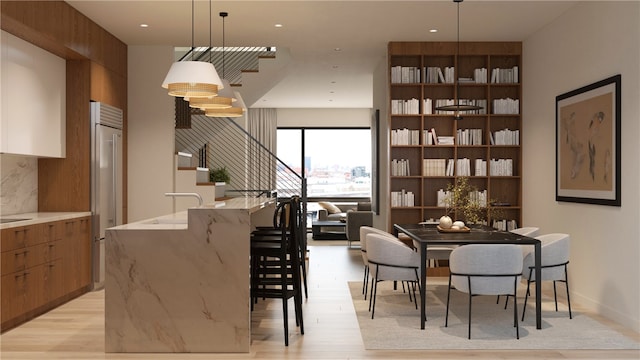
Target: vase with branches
{"x":464,"y":199}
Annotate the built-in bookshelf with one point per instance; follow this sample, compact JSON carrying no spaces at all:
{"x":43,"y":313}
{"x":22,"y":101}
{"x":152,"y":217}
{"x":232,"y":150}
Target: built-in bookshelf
{"x":430,"y":149}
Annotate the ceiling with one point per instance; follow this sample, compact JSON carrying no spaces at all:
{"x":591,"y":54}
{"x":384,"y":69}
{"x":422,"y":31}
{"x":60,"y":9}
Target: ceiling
{"x":318,"y":74}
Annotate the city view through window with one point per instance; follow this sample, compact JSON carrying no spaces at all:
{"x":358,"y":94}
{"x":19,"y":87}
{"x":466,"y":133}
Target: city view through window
{"x":337,"y":162}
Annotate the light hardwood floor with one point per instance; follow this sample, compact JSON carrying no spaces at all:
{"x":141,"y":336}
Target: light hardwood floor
{"x":76,"y":330}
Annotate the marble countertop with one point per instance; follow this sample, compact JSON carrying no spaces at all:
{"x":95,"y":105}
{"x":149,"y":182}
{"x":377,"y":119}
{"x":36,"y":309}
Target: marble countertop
{"x":34,"y":218}
{"x":179,"y":220}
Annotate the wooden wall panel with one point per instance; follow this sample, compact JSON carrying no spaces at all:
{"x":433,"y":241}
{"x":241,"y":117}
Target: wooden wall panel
{"x":59,"y":28}
{"x":96,"y":70}
{"x":64,"y":184}
{"x":105,"y":87}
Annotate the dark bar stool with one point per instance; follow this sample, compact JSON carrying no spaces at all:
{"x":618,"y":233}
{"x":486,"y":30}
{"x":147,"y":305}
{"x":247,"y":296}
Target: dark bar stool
{"x":275,"y":264}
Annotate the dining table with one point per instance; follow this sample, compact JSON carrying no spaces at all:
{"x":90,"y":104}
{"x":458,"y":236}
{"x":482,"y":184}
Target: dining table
{"x":428,"y":234}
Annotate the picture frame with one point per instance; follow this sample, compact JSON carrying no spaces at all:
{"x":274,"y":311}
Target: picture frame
{"x":588,"y":147}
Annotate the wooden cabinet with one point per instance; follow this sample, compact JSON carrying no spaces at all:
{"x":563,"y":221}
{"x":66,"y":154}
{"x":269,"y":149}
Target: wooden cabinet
{"x":486,"y":143}
{"x":43,"y":265}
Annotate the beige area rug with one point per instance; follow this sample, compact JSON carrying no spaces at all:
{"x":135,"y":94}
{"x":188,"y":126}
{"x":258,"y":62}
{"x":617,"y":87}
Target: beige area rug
{"x":397,"y":324}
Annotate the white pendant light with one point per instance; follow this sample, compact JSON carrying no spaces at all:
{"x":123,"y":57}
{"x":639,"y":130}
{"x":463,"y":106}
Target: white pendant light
{"x":225,"y":94}
{"x":456,"y":106}
{"x":192,"y":78}
{"x":238,"y":109}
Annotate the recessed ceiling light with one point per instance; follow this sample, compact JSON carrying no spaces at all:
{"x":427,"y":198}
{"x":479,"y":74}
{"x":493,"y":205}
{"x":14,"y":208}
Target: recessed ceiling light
{"x":333,"y":82}
{"x":335,"y":66}
{"x":433,"y":30}
{"x":144,"y":25}
{"x":278,"y":25}
{"x":337,"y":49}
{"x":331,"y":92}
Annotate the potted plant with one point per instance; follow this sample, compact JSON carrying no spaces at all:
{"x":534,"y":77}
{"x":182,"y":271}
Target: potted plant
{"x":220,"y":176}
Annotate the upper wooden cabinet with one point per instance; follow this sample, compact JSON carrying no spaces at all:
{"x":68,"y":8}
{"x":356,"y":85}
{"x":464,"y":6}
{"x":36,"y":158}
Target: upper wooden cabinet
{"x":484,"y":145}
{"x":33,"y":99}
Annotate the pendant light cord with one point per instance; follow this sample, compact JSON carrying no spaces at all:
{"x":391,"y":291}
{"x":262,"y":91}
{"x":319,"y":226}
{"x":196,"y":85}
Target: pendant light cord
{"x":457,"y":73}
{"x":223,"y":15}
{"x":192,"y":29}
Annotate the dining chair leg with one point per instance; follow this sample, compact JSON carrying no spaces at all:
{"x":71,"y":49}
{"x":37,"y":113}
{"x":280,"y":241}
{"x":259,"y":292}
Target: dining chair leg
{"x":470,"y":297}
{"x":364,"y":281}
{"x":515,"y":307}
{"x":446,"y":317}
{"x":375,"y":293}
{"x":566,"y":283}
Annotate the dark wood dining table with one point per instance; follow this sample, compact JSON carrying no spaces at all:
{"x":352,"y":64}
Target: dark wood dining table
{"x":425,"y":235}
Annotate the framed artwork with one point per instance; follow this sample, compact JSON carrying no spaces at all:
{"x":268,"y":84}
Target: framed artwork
{"x":588,"y":144}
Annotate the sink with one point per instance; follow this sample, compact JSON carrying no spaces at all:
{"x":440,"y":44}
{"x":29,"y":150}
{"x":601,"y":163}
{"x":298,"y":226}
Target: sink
{"x":5,"y":220}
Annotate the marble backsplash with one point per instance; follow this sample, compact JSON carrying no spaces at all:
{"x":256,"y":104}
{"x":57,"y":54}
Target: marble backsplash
{"x":19,"y":187}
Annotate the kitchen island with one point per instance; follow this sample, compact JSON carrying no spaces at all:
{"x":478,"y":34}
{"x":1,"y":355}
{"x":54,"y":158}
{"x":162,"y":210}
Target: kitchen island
{"x":180,"y":283}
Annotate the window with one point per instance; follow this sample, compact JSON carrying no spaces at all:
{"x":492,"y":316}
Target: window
{"x":336,"y":162}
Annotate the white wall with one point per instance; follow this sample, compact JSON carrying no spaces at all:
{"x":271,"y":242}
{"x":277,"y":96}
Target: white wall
{"x":151,"y":133}
{"x":590,"y":42}
{"x":324,"y":117}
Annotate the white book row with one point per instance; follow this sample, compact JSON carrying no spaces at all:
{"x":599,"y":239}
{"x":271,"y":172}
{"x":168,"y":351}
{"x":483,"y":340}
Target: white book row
{"x":506,"y":106}
{"x":435,"y":74}
{"x":400,"y":167}
{"x":480,"y":167}
{"x":451,"y":167}
{"x":478,"y":197}
{"x":434,"y":167}
{"x":501,"y":167}
{"x":405,"y":137}
{"x":404,"y":107}
{"x":505,"y":225}
{"x":506,"y":137}
{"x":443,"y":102}
{"x":405,"y":75}
{"x":402,"y":198}
{"x":469,"y":136}
{"x":508,"y":76}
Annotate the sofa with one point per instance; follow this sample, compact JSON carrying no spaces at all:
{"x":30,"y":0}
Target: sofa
{"x":353,"y":215}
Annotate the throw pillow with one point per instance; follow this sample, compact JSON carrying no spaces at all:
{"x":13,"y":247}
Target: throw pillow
{"x":331,"y":209}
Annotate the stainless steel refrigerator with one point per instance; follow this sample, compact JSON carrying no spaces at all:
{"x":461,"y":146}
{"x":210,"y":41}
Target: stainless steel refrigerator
{"x":106,"y":180}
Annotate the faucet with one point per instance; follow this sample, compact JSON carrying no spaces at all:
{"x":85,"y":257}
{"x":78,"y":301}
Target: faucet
{"x":196,"y":195}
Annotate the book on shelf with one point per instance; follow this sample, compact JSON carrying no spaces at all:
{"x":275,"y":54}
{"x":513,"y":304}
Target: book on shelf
{"x":482,"y":103}
{"x":445,"y":140}
{"x":405,"y":137}
{"x":450,"y":168}
{"x":405,"y":75}
{"x":507,"y":137}
{"x":504,"y":225}
{"x":506,"y":106}
{"x":427,"y":137}
{"x":405,"y":107}
{"x":463,"y":167}
{"x":505,"y":76}
{"x":427,"y":106}
{"x":433,"y":167}
{"x":469,"y":136}
{"x":501,"y":167}
{"x":480,"y":76}
{"x":402,"y":198}
{"x":434,"y":136}
{"x":400,"y":167}
{"x":480,"y":167}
